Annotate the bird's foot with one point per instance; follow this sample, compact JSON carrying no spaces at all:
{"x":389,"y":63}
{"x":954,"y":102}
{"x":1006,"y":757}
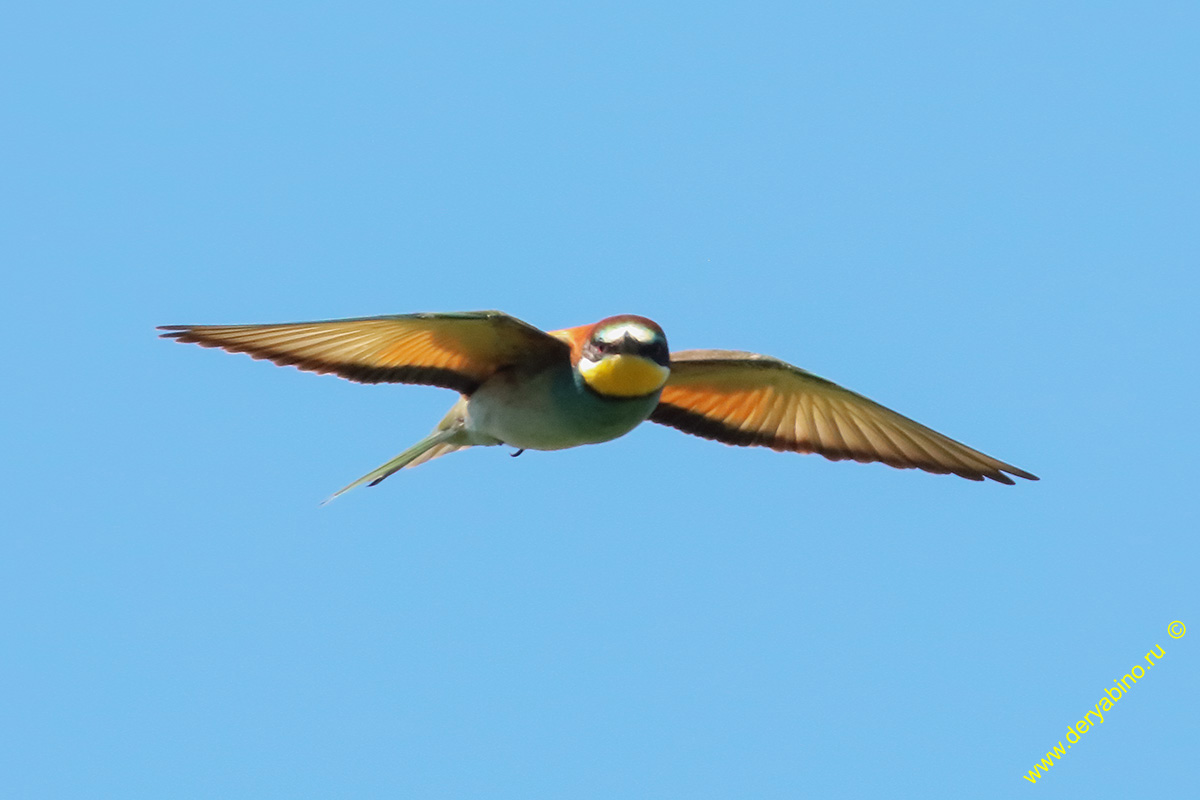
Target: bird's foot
{"x":517,"y":453}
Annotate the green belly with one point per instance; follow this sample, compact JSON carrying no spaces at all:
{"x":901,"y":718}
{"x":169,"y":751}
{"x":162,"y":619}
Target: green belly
{"x":553,"y":410}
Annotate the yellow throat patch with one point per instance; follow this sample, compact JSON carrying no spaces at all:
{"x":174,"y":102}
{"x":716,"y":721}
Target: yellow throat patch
{"x":624,"y":375}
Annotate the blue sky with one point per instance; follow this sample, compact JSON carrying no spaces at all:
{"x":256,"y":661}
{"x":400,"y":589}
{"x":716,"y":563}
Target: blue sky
{"x":984,"y":217}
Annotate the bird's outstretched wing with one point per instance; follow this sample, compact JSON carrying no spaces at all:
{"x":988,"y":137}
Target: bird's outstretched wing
{"x":455,"y":350}
{"x":749,"y":399}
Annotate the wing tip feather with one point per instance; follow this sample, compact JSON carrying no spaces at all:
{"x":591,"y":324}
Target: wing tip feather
{"x":699,"y":424}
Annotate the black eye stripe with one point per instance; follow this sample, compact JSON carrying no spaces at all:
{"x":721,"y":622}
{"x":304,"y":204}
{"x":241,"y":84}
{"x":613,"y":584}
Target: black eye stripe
{"x":656,"y":350}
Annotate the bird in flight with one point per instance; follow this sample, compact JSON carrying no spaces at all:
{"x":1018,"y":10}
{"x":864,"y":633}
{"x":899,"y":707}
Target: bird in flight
{"x":537,"y":390}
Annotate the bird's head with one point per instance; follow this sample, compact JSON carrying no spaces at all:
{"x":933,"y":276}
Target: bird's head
{"x":624,"y":356}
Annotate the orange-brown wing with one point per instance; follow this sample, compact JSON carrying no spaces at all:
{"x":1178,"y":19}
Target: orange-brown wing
{"x":453,"y":350}
{"x":749,"y":399}
{"x":575,"y":338}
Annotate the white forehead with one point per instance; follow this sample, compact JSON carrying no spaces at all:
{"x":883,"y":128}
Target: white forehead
{"x":633,"y":330}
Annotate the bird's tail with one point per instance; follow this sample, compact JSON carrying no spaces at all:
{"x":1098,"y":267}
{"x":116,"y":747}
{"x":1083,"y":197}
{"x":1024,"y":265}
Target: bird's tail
{"x":432,"y":446}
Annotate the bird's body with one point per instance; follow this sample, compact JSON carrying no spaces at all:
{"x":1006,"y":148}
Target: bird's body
{"x":534,"y":390}
{"x":550,"y":409}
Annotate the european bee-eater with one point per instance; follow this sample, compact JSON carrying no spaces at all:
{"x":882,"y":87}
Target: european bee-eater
{"x":537,"y":390}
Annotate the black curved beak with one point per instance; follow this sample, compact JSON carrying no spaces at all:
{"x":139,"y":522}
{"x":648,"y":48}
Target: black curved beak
{"x":629,"y":345}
